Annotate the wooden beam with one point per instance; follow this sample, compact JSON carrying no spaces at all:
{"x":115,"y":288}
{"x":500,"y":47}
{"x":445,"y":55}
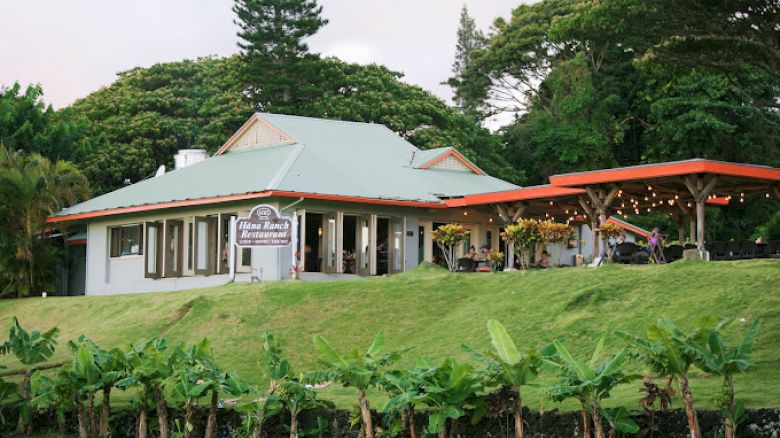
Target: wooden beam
{"x":585,"y":206}
{"x":502,"y":213}
{"x":519,"y":210}
{"x":708,"y":188}
{"x":611,"y":196}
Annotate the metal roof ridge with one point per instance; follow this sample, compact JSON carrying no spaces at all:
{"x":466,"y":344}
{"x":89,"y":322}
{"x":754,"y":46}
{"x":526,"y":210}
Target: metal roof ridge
{"x":286,"y":166}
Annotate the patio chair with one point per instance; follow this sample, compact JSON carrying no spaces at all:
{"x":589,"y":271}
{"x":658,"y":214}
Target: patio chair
{"x":466,"y":264}
{"x":772,"y":249}
{"x":624,"y":252}
{"x":733,"y":250}
{"x":640,"y":257}
{"x":675,"y":253}
{"x":719,"y":251}
{"x":747,"y":249}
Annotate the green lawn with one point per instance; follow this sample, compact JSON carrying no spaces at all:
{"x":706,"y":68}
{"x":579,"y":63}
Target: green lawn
{"x":434,"y":312}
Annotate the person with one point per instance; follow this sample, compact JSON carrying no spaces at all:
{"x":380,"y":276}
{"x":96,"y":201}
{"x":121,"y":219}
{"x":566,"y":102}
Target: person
{"x":484,"y":251}
{"x":472,"y":254}
{"x":621,"y":238}
{"x":654,"y":244}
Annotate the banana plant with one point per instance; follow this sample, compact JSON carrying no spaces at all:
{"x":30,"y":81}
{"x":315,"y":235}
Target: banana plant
{"x":449,"y":391}
{"x":590,"y":382}
{"x":404,"y":388}
{"x":149,"y":367}
{"x":113,"y":368}
{"x":83,"y":377}
{"x":726,"y":361}
{"x":266,"y":404}
{"x":31,"y":349}
{"x":289,"y":391}
{"x":358,"y":369}
{"x":670,"y":352}
{"x":55,"y":393}
{"x":620,"y":420}
{"x":506,"y":366}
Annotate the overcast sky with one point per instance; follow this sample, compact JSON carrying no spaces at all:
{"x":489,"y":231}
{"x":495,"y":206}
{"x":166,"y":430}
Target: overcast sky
{"x":74,"y":47}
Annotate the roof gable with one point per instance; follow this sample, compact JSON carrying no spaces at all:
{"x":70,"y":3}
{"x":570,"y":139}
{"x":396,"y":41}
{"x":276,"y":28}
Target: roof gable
{"x":256,"y":133}
{"x":446,"y":158}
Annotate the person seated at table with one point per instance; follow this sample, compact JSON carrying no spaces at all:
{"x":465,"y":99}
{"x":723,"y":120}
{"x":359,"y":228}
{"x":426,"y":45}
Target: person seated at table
{"x":472,"y":254}
{"x":484,"y":251}
{"x":621,"y":238}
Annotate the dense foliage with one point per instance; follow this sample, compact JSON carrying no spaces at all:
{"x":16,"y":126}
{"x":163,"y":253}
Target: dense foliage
{"x":173,"y":380}
{"x":31,"y":189}
{"x":588,"y":85}
{"x":621,"y":82}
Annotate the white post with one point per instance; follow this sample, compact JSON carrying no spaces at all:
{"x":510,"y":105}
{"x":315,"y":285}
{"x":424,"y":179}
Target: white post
{"x":232,"y":252}
{"x":295,"y":249}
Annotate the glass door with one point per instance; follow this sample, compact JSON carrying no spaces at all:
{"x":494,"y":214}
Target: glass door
{"x":364,"y":245}
{"x":330,"y":236}
{"x":205,"y":245}
{"x":396,"y":241}
{"x":173,"y":247}
{"x":153,"y":258}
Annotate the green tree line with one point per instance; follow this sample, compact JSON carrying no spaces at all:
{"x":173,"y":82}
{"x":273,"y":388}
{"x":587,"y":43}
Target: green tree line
{"x":584,"y":84}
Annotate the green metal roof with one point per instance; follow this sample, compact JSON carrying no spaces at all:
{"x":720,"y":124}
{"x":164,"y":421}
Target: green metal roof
{"x":330,"y":157}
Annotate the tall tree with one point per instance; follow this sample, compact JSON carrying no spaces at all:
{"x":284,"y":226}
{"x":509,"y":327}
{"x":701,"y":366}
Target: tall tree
{"x":278,"y":66}
{"x":470,"y":40}
{"x":31,"y":189}
{"x":139,"y":122}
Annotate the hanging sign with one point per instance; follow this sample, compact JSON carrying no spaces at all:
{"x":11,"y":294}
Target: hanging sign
{"x":264,"y":227}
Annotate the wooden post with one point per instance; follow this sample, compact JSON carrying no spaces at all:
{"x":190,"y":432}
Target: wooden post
{"x":700,"y":191}
{"x":510,"y":248}
{"x":601,"y":202}
{"x":589,"y":211}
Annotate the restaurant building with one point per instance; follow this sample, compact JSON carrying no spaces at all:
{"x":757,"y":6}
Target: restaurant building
{"x":363,"y":197}
{"x":365,"y":202}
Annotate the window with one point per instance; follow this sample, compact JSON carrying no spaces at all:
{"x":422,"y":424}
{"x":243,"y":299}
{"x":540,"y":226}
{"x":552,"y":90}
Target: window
{"x":126,"y":240}
{"x":154,"y":244}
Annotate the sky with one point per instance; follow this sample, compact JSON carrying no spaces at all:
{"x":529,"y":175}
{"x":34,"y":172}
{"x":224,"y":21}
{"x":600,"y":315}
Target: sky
{"x":75,"y":47}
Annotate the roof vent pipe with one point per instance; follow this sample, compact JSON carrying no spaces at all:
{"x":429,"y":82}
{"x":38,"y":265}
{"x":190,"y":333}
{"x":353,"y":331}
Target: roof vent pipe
{"x":187,"y":157}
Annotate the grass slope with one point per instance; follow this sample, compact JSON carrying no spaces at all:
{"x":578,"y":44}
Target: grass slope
{"x":434,"y":312}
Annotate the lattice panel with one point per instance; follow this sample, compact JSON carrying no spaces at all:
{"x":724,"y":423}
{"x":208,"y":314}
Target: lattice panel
{"x":450,"y":163}
{"x":257,"y":136}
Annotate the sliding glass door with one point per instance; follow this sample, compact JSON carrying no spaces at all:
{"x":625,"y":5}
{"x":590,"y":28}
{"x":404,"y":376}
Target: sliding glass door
{"x":153,"y":257}
{"x":205,"y":245}
{"x":174,"y":245}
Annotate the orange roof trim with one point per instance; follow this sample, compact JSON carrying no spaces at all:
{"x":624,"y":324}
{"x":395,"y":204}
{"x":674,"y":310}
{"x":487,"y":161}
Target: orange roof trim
{"x":458,"y":156}
{"x":241,"y":197}
{"x":521,"y":194}
{"x":659,"y":170}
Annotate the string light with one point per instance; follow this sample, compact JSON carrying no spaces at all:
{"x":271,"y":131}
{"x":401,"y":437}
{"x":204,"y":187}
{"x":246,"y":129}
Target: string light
{"x":676,"y":197}
{"x":620,"y":212}
{"x":551,"y":203}
{"x":650,"y":188}
{"x":654,"y":195}
{"x":465,"y":213}
{"x":491,"y":219}
{"x":648,"y":210}
{"x":767,"y":195}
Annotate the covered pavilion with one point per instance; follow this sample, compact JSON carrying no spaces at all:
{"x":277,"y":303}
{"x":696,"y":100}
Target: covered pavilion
{"x":680,"y":188}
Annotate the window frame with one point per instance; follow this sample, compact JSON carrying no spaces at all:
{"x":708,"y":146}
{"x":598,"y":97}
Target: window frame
{"x":115,"y":240}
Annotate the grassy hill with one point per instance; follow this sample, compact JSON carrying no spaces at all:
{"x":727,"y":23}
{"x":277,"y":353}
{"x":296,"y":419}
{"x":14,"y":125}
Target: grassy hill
{"x":434,"y":312}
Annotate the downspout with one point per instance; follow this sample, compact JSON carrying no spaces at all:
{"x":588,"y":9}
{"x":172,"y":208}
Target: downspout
{"x":298,"y":201}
